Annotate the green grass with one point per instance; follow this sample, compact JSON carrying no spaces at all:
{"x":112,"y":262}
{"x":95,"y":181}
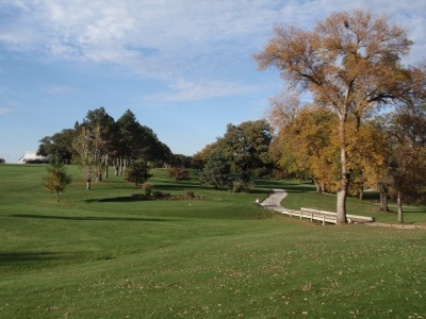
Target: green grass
{"x":97,"y":255}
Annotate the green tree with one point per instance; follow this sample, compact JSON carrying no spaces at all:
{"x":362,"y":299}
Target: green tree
{"x":57,"y":178}
{"x":137,"y":172}
{"x":100,"y":126}
{"x":58,"y":145}
{"x":246,"y":146}
{"x":350,"y":63}
{"x":216,"y":171}
{"x":138,"y":142}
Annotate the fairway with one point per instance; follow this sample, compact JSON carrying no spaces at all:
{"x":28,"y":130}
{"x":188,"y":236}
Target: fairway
{"x":104,"y":254}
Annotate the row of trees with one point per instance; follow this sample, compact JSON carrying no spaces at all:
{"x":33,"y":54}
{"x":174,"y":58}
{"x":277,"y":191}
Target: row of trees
{"x":100,"y":141}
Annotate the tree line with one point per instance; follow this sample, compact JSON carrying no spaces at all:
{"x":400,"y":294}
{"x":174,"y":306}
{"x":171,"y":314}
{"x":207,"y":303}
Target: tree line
{"x":100,"y":142}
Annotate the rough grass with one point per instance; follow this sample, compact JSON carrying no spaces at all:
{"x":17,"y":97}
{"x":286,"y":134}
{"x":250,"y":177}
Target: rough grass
{"x":220,"y":258}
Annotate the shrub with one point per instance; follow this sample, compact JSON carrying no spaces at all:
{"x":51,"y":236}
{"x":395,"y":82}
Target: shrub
{"x":147,"y":187}
{"x":242,"y":187}
{"x":137,"y":173}
{"x":179,"y":174}
{"x":158,"y":194}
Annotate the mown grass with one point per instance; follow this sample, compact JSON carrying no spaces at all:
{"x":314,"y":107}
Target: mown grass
{"x":218,"y":258}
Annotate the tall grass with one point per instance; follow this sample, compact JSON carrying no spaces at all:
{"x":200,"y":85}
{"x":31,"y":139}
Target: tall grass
{"x":99,"y":254}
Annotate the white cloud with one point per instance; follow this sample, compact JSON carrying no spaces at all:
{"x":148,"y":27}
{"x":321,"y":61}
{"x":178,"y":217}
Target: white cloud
{"x":5,"y":110}
{"x":58,"y":89}
{"x":184,"y":91}
{"x":169,"y":39}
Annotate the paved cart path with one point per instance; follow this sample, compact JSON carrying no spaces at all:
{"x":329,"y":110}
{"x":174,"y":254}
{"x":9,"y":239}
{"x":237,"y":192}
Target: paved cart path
{"x":274,"y":200}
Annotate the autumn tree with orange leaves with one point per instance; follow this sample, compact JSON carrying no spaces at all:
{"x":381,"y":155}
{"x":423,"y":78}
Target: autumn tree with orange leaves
{"x":305,"y":143}
{"x":350,"y":63}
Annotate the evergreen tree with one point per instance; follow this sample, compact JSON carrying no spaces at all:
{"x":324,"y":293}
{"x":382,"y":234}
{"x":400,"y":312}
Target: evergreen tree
{"x":216,"y":171}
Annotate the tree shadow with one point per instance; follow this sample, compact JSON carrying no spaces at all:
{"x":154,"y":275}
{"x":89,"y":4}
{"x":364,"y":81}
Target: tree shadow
{"x":130,"y":198}
{"x":298,"y":187}
{"x":9,"y":257}
{"x":178,"y":186}
{"x":269,"y":183}
{"x":88,"y":218}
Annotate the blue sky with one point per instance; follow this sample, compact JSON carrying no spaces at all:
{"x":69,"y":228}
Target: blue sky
{"x":184,"y":67}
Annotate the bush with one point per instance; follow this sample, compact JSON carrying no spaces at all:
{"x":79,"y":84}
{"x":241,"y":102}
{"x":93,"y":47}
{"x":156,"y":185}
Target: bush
{"x":147,"y":187}
{"x":137,"y":173}
{"x":158,"y":194}
{"x":179,"y":174}
{"x":242,"y":187}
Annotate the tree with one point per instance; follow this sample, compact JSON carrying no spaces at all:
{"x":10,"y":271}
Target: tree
{"x":83,"y":145}
{"x":138,"y":142}
{"x":408,"y":167}
{"x":137,"y":172}
{"x":350,"y":64}
{"x":216,"y":171}
{"x":58,"y":145}
{"x":304,"y":145}
{"x":179,"y":174}
{"x":180,"y":160}
{"x":200,"y":158}
{"x":246,"y":146}
{"x":100,"y":127}
{"x":371,"y":155}
{"x":57,"y":178}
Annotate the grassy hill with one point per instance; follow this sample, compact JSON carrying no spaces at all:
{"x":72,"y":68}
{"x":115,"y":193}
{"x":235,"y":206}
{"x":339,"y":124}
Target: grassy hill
{"x":103,"y":254}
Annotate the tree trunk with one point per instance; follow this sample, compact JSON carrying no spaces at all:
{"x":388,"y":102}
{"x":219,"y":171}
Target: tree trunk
{"x":116,"y":166}
{"x":317,"y":186}
{"x":341,"y":206}
{"x":88,"y":177}
{"x":383,"y":199}
{"x":342,"y":192}
{"x":98,"y":175}
{"x":57,"y":196}
{"x":106,"y":167}
{"x":361,"y":193}
{"x":400,"y":211}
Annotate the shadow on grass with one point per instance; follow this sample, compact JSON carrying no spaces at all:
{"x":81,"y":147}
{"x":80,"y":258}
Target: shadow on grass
{"x":131,"y":198}
{"x":113,"y":219}
{"x":299,"y":187}
{"x":27,"y":256}
{"x":269,"y":183}
{"x":173,"y":186}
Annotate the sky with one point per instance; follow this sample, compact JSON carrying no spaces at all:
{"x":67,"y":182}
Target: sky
{"x":184,"y":67}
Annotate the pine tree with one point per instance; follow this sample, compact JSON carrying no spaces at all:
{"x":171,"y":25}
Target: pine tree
{"x":216,"y":171}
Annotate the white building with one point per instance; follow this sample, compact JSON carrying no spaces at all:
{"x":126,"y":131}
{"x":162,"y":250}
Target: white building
{"x":32,"y":157}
